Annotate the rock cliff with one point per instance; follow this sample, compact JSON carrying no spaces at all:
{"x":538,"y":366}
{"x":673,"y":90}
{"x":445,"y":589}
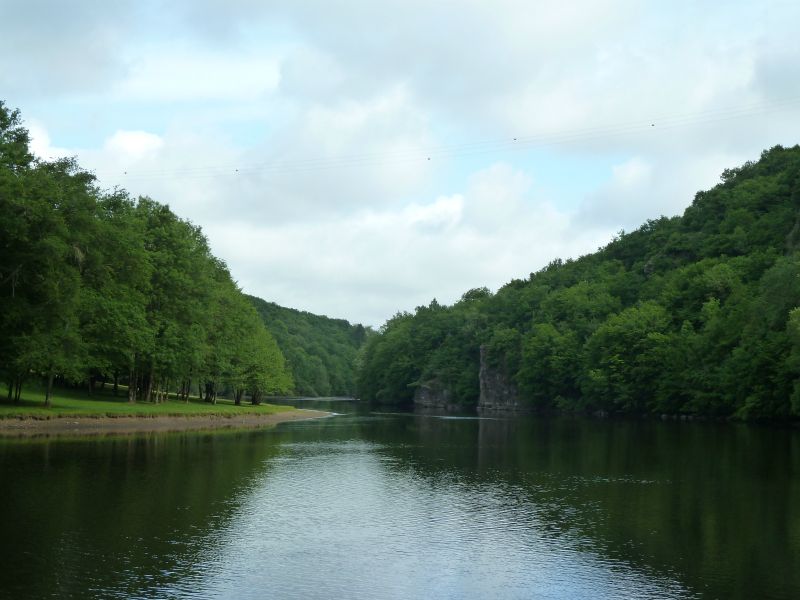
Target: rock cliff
{"x":498,"y":392}
{"x":433,"y":395}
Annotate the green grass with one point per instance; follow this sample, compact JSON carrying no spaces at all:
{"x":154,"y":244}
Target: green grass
{"x":76,"y":403}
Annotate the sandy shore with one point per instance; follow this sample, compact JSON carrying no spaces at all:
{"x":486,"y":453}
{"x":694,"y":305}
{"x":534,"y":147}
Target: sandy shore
{"x":143,"y":424}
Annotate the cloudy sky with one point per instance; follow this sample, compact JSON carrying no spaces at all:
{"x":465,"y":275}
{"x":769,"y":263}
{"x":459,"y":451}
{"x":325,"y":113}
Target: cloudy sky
{"x":359,"y":158}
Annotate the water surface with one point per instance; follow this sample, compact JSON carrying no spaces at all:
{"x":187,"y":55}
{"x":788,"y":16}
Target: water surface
{"x":392,"y":505}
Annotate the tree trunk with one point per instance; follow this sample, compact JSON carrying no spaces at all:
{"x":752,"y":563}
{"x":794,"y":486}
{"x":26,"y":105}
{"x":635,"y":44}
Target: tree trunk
{"x":49,"y":393}
{"x":116,"y":382}
{"x":149,"y":395}
{"x":211,"y":392}
{"x":18,"y":390}
{"x":132,"y":385}
{"x":11,"y":385}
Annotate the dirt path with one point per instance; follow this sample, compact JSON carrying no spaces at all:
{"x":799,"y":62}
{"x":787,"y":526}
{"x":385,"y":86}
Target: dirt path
{"x":110,"y":425}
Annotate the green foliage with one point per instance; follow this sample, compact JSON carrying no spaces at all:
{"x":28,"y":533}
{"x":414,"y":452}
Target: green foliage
{"x":437,"y":346}
{"x":97,"y":286}
{"x":390,"y":370}
{"x":686,"y":315}
{"x":547,"y":373}
{"x":623,"y":358}
{"x":320,"y":352}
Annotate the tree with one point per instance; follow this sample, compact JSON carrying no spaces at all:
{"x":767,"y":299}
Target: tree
{"x":96,"y":285}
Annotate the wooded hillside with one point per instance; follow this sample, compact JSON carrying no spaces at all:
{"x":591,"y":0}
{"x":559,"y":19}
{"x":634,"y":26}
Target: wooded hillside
{"x":696,"y":315}
{"x":320,"y":352}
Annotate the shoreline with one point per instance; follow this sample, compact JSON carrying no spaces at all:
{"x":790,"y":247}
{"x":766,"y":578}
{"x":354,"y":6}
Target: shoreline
{"x":103,"y":425}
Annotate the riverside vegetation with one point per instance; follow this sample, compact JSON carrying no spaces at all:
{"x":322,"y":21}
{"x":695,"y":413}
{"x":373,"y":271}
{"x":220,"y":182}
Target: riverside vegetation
{"x":689,"y":315}
{"x":321,"y":352}
{"x":99,"y":288}
{"x":73,"y":403}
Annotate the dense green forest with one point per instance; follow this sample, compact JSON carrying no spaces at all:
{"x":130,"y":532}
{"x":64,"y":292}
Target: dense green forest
{"x":690,"y":315}
{"x":321,"y":352}
{"x":96,"y":286}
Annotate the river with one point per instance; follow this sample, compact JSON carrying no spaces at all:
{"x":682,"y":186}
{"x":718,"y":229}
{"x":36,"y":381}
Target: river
{"x":380,"y":505}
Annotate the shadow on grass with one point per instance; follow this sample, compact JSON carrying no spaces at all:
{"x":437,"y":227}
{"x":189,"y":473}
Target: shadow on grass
{"x":78,"y":402}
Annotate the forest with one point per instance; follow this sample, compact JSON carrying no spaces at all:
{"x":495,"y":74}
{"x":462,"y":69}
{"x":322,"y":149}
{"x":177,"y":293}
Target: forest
{"x":693,"y":315}
{"x":96,"y":287}
{"x":321,"y":352}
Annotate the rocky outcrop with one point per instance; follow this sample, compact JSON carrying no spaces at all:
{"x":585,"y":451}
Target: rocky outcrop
{"x":433,"y":395}
{"x":498,"y":392}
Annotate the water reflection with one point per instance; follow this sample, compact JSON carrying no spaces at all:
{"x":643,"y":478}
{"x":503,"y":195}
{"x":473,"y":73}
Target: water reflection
{"x":371,"y":505}
{"x":119,"y":514}
{"x":378,"y":528}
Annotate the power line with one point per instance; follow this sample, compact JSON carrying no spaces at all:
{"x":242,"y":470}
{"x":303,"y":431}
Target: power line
{"x":425,"y":154}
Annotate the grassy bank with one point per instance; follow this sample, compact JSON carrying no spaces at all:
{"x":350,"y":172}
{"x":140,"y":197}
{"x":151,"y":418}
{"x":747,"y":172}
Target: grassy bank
{"x":76,"y":403}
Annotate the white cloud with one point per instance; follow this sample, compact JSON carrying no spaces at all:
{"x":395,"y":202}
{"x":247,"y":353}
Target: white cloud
{"x":167,"y":74}
{"x":309,"y":75}
{"x":41,"y":145}
{"x":134,"y":145}
{"x":634,"y":172}
{"x":443,"y":214}
{"x":298,"y":135}
{"x":55,"y":48}
{"x":371,"y":263}
{"x":320,"y":161}
{"x":496,"y":196}
{"x":638,"y":190}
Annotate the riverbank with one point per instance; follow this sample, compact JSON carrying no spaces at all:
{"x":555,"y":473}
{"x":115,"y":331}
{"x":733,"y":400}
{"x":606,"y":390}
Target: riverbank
{"x":104,"y":424}
{"x":72,"y":412}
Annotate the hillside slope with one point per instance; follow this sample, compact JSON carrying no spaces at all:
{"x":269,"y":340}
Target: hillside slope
{"x":693,"y":315}
{"x":321,"y":352}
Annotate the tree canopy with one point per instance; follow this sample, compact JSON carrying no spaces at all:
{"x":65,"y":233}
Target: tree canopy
{"x":96,"y":285}
{"x":320,"y":352}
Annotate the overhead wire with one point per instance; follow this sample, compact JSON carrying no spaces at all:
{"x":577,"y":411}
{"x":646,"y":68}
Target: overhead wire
{"x":426,"y":154}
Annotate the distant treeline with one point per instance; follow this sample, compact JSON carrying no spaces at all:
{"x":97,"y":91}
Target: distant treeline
{"x":98,"y":286}
{"x":321,"y":353}
{"x":694,"y":315}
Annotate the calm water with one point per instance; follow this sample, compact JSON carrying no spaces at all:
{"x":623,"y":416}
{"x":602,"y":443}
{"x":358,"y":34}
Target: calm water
{"x":368,"y":505}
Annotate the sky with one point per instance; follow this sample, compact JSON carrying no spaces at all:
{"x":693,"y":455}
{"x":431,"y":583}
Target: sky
{"x":356,"y":159}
